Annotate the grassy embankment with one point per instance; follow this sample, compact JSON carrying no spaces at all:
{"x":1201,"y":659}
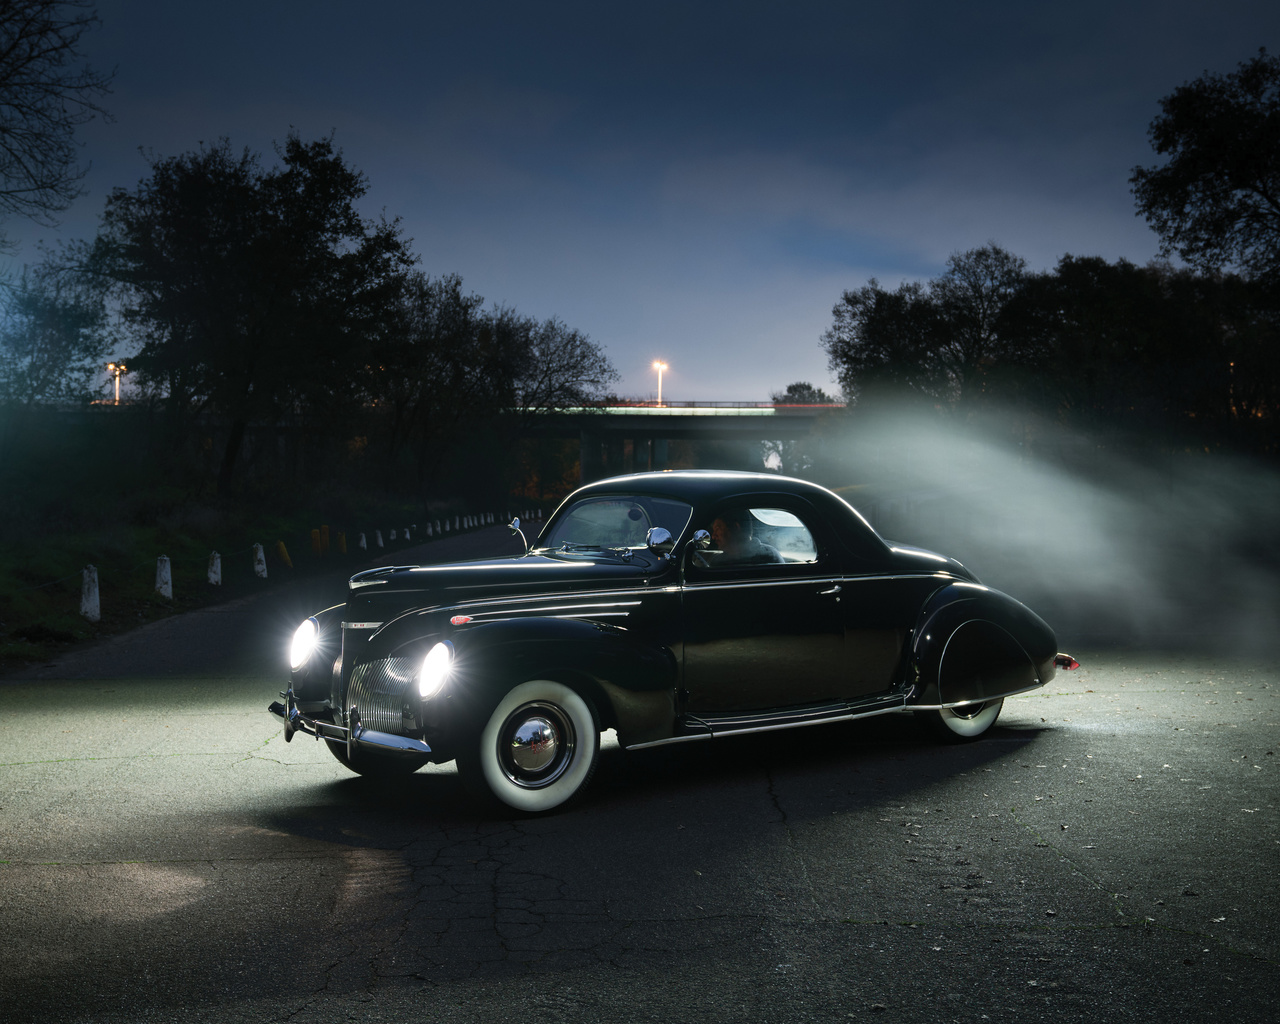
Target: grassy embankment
{"x":42,"y":558}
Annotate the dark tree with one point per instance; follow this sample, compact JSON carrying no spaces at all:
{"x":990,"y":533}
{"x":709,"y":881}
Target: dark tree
{"x":1133,"y":348}
{"x":254,"y":292}
{"x":801,"y":393}
{"x":47,"y":91}
{"x":557,"y":366}
{"x":972,"y":295}
{"x":53,"y":338}
{"x":794,"y":457}
{"x":888,"y":344}
{"x":1216,"y":201}
{"x":423,"y":371}
{"x":454,"y":378}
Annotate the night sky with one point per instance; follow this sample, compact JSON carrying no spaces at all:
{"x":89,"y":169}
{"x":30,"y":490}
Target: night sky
{"x":695,"y":182}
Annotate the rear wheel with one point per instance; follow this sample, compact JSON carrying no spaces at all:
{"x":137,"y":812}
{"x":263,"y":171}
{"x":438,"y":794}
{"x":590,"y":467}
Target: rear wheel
{"x":956,"y":725}
{"x":375,"y":764}
{"x":537,"y":750}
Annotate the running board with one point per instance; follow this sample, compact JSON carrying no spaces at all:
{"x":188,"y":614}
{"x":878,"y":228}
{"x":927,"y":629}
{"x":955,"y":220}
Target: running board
{"x":742,"y":723}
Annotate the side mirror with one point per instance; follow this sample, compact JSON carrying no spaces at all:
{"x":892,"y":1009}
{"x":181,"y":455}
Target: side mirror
{"x":701,"y":540}
{"x":514,"y":527}
{"x":659,"y":541}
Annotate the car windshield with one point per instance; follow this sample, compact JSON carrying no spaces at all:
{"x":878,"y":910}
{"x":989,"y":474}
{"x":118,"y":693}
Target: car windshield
{"x":616,"y":521}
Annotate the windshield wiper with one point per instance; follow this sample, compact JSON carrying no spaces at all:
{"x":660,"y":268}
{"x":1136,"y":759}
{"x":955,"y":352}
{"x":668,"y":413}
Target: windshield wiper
{"x":622,"y":553}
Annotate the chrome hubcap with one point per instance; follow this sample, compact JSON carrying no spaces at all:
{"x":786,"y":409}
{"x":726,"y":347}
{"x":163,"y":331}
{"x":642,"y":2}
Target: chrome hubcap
{"x":534,"y":744}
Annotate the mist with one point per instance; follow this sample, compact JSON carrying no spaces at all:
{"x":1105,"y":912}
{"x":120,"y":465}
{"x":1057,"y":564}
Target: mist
{"x":1113,"y":542}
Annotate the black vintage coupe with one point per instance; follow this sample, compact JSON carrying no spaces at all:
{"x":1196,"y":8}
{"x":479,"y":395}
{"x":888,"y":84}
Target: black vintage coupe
{"x":671,"y":607}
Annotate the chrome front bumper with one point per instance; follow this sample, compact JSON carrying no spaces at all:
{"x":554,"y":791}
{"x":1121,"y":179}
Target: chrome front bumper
{"x":356,"y":737}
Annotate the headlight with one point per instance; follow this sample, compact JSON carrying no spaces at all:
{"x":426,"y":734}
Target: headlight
{"x":435,"y":669}
{"x":304,"y":643}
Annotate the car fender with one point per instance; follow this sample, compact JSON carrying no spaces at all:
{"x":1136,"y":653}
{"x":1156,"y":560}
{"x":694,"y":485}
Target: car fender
{"x":312,"y":682}
{"x":630,"y":680}
{"x":972,"y":643}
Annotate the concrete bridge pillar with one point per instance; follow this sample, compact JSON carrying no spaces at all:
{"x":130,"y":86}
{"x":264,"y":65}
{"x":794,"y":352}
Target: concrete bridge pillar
{"x":591,"y":459}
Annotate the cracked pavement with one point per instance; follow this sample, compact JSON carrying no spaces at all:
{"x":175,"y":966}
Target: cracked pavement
{"x":1110,"y":851}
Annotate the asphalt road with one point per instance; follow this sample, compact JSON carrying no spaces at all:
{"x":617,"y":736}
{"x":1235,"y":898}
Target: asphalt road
{"x":1110,"y":852}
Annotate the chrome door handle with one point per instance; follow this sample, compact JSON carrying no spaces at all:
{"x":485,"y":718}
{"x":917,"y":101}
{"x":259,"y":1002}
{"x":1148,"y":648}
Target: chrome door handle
{"x":834,"y":590}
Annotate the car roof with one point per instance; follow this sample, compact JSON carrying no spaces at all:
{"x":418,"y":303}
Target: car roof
{"x":705,"y":487}
{"x":700,"y":485}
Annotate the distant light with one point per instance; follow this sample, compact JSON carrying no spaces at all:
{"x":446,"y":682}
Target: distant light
{"x":659,"y":365}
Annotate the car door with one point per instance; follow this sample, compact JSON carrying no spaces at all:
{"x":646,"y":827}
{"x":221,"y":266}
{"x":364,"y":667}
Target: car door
{"x":763,"y":625}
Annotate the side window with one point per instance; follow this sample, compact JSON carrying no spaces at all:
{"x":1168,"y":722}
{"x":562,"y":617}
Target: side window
{"x":756,"y":536}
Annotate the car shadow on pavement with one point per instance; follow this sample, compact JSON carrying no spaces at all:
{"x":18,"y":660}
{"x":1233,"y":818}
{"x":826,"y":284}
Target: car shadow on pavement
{"x":817,"y":771}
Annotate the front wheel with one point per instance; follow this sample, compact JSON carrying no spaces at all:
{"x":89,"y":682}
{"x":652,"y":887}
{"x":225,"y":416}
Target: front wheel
{"x":955,"y":725}
{"x":538,"y":749}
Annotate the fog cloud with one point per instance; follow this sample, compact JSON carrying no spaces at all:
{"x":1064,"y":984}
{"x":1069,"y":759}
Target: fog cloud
{"x":1111,"y":540}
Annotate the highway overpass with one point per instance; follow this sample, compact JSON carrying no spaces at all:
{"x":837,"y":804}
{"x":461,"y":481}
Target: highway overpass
{"x":605,"y":430}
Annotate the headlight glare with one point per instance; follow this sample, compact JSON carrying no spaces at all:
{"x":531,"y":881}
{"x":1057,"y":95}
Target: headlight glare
{"x":305,"y":638}
{"x":435,"y":669}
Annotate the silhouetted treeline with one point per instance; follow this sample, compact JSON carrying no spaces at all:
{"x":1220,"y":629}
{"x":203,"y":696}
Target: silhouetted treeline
{"x":1091,"y":345}
{"x":279,"y":340}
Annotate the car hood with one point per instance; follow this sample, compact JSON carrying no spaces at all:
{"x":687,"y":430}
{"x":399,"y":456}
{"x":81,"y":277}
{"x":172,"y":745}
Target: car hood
{"x":456,"y":582}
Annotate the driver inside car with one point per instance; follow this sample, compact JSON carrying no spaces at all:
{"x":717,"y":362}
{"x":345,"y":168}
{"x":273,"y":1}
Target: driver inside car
{"x":733,"y":532}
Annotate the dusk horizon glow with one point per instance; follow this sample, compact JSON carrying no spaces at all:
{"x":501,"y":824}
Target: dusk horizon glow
{"x":695,"y":186}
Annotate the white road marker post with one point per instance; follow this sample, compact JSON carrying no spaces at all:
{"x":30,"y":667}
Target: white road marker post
{"x":215,"y":568}
{"x":164,"y":578}
{"x":89,"y":606}
{"x":259,"y":562}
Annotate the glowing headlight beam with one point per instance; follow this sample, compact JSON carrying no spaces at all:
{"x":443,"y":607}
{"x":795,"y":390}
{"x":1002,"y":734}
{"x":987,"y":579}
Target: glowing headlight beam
{"x":305,"y":638}
{"x":435,"y":669}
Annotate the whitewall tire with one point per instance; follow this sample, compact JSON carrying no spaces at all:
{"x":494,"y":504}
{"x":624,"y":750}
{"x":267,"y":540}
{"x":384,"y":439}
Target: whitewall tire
{"x":963,"y":723}
{"x":539,"y":747}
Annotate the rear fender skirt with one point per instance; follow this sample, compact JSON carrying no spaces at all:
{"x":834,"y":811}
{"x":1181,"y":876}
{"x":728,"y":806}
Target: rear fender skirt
{"x":977,"y":644}
{"x":982,"y":661}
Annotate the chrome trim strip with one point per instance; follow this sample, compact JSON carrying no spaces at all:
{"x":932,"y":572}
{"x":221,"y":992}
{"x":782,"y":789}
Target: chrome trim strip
{"x":568,"y":611}
{"x":808,"y":581}
{"x":496,"y":604}
{"x":361,"y":625}
{"x":586,"y":596}
{"x":732,"y":722}
{"x":668,"y":741}
{"x":849,"y":716}
{"x":982,"y":700}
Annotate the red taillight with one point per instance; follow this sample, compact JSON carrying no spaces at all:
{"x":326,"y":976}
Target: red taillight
{"x":460,"y":620}
{"x":1066,"y":661}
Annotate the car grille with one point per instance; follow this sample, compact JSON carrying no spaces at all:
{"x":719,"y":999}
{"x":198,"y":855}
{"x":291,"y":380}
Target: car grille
{"x":377,"y":689}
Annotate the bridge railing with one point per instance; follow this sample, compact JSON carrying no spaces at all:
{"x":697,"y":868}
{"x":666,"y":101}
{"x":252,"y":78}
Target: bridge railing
{"x":626,"y":405}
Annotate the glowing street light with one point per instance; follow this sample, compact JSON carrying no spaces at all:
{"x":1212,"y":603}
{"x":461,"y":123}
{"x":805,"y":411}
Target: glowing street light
{"x":117,"y":370}
{"x":659,"y":365}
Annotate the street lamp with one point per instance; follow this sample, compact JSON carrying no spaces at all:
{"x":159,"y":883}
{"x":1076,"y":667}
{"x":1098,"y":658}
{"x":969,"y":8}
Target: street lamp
{"x":659,"y":365}
{"x":117,"y":370}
